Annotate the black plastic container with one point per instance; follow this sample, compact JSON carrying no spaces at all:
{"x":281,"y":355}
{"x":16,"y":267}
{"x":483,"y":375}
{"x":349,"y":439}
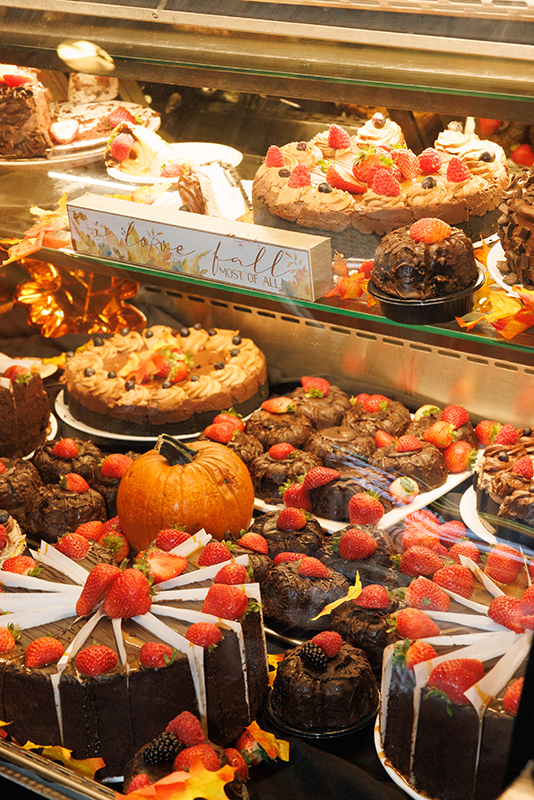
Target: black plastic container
{"x":427,"y":312}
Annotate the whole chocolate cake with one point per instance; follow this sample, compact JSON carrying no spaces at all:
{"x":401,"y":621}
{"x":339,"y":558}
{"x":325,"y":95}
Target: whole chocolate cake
{"x":412,"y":269}
{"x":516,"y":228}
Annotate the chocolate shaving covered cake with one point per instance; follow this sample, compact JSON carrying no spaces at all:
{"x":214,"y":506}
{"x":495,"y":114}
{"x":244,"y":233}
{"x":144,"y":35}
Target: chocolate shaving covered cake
{"x":324,"y":407}
{"x":56,"y":510}
{"x":51,"y":466}
{"x":307,"y":539}
{"x":380,"y":413}
{"x":24,"y":116}
{"x":292,"y":427}
{"x":24,"y":413}
{"x":516,"y":228}
{"x":332,"y":499}
{"x":19,"y":483}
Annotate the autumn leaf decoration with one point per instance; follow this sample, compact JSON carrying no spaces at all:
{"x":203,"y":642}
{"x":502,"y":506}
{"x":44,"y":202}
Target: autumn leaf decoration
{"x":198,"y":782}
{"x":50,"y":230}
{"x":85,"y":766}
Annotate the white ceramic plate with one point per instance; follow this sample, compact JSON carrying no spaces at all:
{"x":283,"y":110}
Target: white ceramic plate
{"x":45,"y":369}
{"x":497,"y":254}
{"x":468,"y":512}
{"x":194,"y":152}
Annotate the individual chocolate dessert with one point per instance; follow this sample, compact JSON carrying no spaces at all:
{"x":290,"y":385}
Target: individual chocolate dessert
{"x":366,"y":628}
{"x":269,"y":474}
{"x":338,"y":446}
{"x":24,"y":414}
{"x":19,"y":483}
{"x":307,"y":540}
{"x":52,"y":466}
{"x":14,"y":541}
{"x":409,"y":268}
{"x":24,"y":117}
{"x":373,"y":568}
{"x":392,"y":416}
{"x":425,"y":465}
{"x":323,"y":410}
{"x":332,"y":500}
{"x":270,"y":429}
{"x":55,"y":511}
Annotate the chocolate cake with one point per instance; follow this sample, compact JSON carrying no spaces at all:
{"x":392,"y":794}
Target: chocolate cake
{"x":376,"y":568}
{"x":244,"y":445}
{"x":516,"y":226}
{"x":307,"y":540}
{"x":465,"y":433}
{"x":164,"y":380}
{"x":291,"y":601}
{"x":86,"y":713}
{"x":393,"y":418}
{"x":24,"y":117}
{"x":19,"y":483}
{"x":323,"y":412}
{"x":24,"y":414}
{"x":366,"y":628}
{"x":15,"y":541}
{"x":269,"y":474}
{"x":426,"y":466}
{"x":55,"y":511}
{"x":293,"y":427}
{"x":332,"y":500}
{"x":414,"y":270}
{"x":52,"y":467}
{"x":337,"y":446}
{"x":324,"y":700}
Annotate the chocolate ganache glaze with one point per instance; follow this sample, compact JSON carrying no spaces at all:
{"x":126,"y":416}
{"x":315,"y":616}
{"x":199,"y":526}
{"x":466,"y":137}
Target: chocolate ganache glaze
{"x":426,"y":466}
{"x":307,"y":540}
{"x":419,"y":271}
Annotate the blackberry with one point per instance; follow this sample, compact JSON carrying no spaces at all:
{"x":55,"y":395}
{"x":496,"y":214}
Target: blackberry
{"x":163,"y":749}
{"x":313,"y":656}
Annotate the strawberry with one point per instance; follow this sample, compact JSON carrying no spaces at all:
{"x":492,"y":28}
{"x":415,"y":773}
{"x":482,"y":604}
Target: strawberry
{"x":361,"y":398}
{"x":164,"y":566}
{"x":169,"y":538}
{"x":281,"y":557}
{"x":278,"y":405}
{"x":315,"y":387}
{"x":455,"y":578}
{"x":449,"y":532}
{"x":420,"y":535}
{"x":2,"y":467}
{"x":187,"y":728}
{"x":374,"y":595}
{"x":340,"y":177}
{"x":203,"y":634}
{"x":222,"y":432}
{"x":274,"y":157}
{"x":300,"y":176}
{"x":236,"y":760}
{"x":22,"y":565}
{"x":156,"y":655}
{"x":214,"y":553}
{"x":43,"y":651}
{"x":423,"y":516}
{"x":522,"y":154}
{"x":408,"y":444}
{"x":407,"y":162}
{"x":425,"y":594}
{"x":507,"y":435}
{"x":65,"y":448}
{"x":464,"y":548}
{"x":382,"y":439}
{"x":455,"y":676}
{"x":527,"y":601}
{"x":254,"y":541}
{"x":95,"y":660}
{"x":112,"y":525}
{"x":507,"y":611}
{"x":73,"y":546}
{"x":121,"y":146}
{"x":128,"y":596}
{"x":385,"y":183}
{"x":95,"y":587}
{"x":139,"y":781}
{"x":3,"y":536}
{"x":429,"y":230}
{"x":487,"y":430}
{"x":338,"y":138}
{"x":232,"y":574}
{"x":249,"y":748}
{"x":115,"y":465}
{"x":116,"y":542}
{"x":296,"y":496}
{"x":523,"y":466}
{"x":174,"y":169}
{"x":312,"y":568}
{"x":459,"y":456}
{"x":440,"y":434}
{"x":64,"y":131}
{"x":90,"y":530}
{"x":375,"y":403}
{"x":527,"y":621}
{"x":456,"y":415}
{"x":429,"y":161}
{"x":417,"y":653}
{"x":512,"y":697}
{"x":16,"y":371}
{"x":208,"y":756}
{"x":291,"y":519}
{"x":119,"y":115}
{"x":13,"y":79}
{"x":370,"y":161}
{"x":356,"y":544}
{"x":329,"y":642}
{"x":457,"y":171}
{"x":419,"y":561}
{"x":74,"y":483}
{"x":231,"y":417}
{"x":503,"y":563}
{"x":320,"y":476}
{"x":412,"y":623}
{"x":364,"y":509}
{"x":281,"y":451}
{"x":8,"y":638}
{"x":228,"y":602}
{"x":489,"y":126}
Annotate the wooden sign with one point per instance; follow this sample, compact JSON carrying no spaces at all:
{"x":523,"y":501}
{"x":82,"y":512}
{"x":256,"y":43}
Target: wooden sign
{"x":236,"y":253}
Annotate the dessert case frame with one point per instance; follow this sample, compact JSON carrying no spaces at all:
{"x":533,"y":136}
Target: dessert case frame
{"x":417,"y":55}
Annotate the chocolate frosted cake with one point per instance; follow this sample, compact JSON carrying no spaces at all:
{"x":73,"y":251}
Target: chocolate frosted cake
{"x":376,"y":568}
{"x":19,"y":483}
{"x":269,"y":429}
{"x":164,"y":380}
{"x":307,"y":540}
{"x":52,"y":467}
{"x":55,"y":511}
{"x":331,"y":699}
{"x":24,"y":414}
{"x":426,"y":465}
{"x":269,"y":474}
{"x":323,"y":412}
{"x":394,"y":418}
{"x":516,"y":229}
{"x":332,"y":499}
{"x":414,"y":270}
{"x":338,"y":446}
{"x":24,"y":116}
{"x":366,"y":628}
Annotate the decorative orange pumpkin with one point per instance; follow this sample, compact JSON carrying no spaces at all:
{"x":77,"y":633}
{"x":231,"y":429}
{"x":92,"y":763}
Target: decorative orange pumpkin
{"x":203,"y":485}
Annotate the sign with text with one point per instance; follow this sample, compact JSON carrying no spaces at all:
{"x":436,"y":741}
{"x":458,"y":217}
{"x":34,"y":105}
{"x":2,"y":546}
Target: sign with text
{"x":236,"y":253}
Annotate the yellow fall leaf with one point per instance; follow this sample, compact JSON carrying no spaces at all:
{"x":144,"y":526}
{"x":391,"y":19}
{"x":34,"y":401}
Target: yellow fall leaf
{"x":275,"y":748}
{"x":198,"y":782}
{"x":353,"y":592}
{"x":85,"y":766}
{"x":274,"y":661}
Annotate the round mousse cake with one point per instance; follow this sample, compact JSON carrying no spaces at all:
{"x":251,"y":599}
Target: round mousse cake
{"x":330,"y":186}
{"x":164,"y":380}
{"x":427,"y":260}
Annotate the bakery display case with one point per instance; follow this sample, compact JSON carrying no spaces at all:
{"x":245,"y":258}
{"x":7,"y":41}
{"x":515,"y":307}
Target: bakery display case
{"x":243,"y":76}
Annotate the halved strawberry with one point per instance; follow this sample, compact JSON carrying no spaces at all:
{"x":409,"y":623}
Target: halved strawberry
{"x":64,"y":131}
{"x":341,"y":177}
{"x":278,"y":405}
{"x":163,"y":565}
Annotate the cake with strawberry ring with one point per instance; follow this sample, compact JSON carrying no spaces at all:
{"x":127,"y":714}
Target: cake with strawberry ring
{"x":427,"y":260}
{"x":163,"y":379}
{"x":24,"y":409}
{"x":93,"y":660}
{"x":377,"y":412}
{"x":354,"y":189}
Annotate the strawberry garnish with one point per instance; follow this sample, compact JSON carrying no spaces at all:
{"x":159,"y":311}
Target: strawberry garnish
{"x":408,"y":444}
{"x":338,"y":138}
{"x":376,"y":402}
{"x":208,"y":756}
{"x":419,"y":560}
{"x":487,"y":430}
{"x":204,"y":634}
{"x":356,"y":544}
{"x":22,"y":565}
{"x":2,"y":467}
{"x":278,"y":405}
{"x":90,"y":530}
{"x":3,"y":536}
{"x":187,"y":728}
{"x":120,"y":146}
{"x":503,"y":563}
{"x":281,"y":557}
{"x":169,"y":538}
{"x":163,"y":566}
{"x":489,"y":126}
{"x":65,"y":448}
{"x":15,"y":372}
{"x":383,"y":439}
{"x":232,"y":574}
{"x":13,"y":79}
{"x":412,"y":623}
{"x":128,"y":596}
{"x":174,"y":169}
{"x":254,"y":541}
{"x":233,"y":418}
{"x":451,"y":531}
{"x":340,"y":177}
{"x":98,"y":659}
{"x":429,"y":230}
{"x":374,"y":595}
{"x":417,"y":653}
{"x":274,"y":157}
{"x":506,"y":435}
{"x":116,"y":542}
{"x":464,"y":548}
{"x":74,"y":483}
{"x":320,"y":476}
{"x":407,"y":162}
{"x":455,"y":676}
{"x":43,"y":651}
{"x":139,"y":781}
{"x":236,"y":760}
{"x":364,"y":509}
{"x":281,"y":451}
{"x":311,"y":567}
{"x":527,"y":601}
{"x":119,"y":115}
{"x":427,"y":595}
{"x":329,"y":642}
{"x":507,"y":611}
{"x":440,"y":434}
{"x":512,"y":696}
{"x":456,"y":415}
{"x":295,"y":495}
{"x":95,"y":587}
{"x":8,"y":638}
{"x":455,"y":578}
{"x":64,"y":131}
{"x":214,"y":553}
{"x":115,"y":465}
{"x":385,"y":183}
{"x":459,"y":456}
{"x":73,"y":545}
{"x":522,"y":154}
{"x":222,"y":432}
{"x":457,"y":171}
{"x":156,"y":655}
{"x":300,"y":176}
{"x":291,"y":519}
{"x":315,"y":387}
{"x":403,"y":490}
{"x":249,"y":748}
{"x":228,"y":602}
{"x":420,"y":534}
{"x":430,"y":161}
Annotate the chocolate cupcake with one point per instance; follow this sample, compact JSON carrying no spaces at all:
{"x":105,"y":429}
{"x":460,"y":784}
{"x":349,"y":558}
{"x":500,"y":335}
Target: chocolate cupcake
{"x":258,"y":563}
{"x":425,"y":465}
{"x":19,"y":483}
{"x":55,"y":511}
{"x":465,"y":433}
{"x":323,"y":410}
{"x":375,"y":568}
{"x":367,"y":628}
{"x":307,"y":540}
{"x":268,"y":473}
{"x":108,"y":486}
{"x":332,"y":500}
{"x":52,"y":467}
{"x":270,"y":429}
{"x":338,"y":446}
{"x":392,"y":417}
